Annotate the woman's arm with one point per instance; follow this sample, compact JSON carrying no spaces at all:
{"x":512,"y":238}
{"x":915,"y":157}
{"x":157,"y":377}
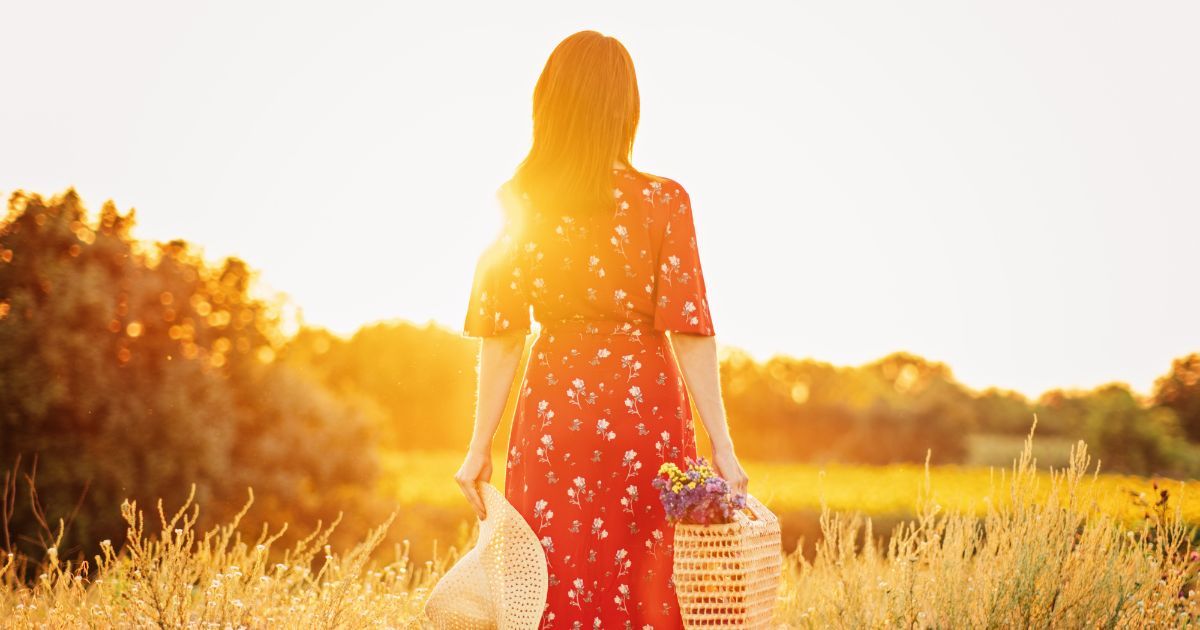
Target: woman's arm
{"x":697,"y":356}
{"x":498,"y":360}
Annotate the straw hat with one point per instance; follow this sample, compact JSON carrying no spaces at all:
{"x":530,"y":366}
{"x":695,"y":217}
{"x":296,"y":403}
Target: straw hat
{"x":501,"y":582}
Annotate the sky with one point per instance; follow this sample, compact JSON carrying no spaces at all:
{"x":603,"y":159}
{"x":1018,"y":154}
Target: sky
{"x":1011,"y":188}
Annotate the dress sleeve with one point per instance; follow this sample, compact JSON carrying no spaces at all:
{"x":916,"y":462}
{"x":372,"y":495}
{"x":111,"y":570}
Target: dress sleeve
{"x":681,"y":300}
{"x":499,"y":302}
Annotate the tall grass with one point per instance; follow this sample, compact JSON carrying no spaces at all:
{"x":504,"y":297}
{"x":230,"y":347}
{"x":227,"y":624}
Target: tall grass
{"x":1050,"y":559}
{"x":176,"y":577}
{"x":1039,"y":557}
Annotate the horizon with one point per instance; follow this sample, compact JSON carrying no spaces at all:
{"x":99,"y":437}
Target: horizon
{"x":1001,"y":189}
{"x":293,"y":320}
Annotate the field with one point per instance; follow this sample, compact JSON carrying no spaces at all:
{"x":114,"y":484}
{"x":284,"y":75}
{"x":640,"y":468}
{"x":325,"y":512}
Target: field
{"x":421,"y":482}
{"x":1046,"y":549}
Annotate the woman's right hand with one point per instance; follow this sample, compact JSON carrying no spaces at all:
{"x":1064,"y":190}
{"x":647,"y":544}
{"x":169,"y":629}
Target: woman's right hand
{"x":476,"y":468}
{"x":728,"y":467}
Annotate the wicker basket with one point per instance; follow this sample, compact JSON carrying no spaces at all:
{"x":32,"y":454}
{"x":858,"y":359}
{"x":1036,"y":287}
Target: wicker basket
{"x":727,"y":575}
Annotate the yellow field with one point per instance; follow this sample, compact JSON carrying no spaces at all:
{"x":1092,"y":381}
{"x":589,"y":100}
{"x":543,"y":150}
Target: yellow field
{"x":1043,"y":555}
{"x":425,"y":478}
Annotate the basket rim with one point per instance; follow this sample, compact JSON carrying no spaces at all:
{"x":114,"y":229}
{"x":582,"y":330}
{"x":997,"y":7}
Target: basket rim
{"x":765,"y":519}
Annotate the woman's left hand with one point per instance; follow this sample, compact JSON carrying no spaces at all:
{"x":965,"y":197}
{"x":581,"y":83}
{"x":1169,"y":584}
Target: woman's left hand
{"x":477,"y":467}
{"x":730,"y":469}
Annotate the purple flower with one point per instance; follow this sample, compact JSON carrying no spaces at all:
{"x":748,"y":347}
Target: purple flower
{"x":697,"y":494}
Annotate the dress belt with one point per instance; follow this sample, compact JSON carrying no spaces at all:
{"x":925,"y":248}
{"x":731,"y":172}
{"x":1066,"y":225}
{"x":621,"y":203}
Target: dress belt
{"x":599,"y":327}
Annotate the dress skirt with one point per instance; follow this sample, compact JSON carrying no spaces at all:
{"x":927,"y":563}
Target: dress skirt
{"x":602,"y":406}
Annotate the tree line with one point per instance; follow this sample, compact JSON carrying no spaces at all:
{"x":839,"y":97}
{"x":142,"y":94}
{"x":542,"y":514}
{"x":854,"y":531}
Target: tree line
{"x":134,"y":369}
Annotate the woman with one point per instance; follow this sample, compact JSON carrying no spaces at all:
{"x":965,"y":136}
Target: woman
{"x":606,"y":256}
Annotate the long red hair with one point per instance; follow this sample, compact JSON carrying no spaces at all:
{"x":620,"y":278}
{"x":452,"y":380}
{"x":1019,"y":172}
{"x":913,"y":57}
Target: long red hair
{"x":585,"y":116}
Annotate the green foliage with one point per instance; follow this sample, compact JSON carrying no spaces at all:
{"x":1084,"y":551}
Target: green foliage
{"x":412,"y":377}
{"x":888,"y":411}
{"x":785,"y":409}
{"x":1128,"y":434}
{"x":1179,"y":391}
{"x":1132,"y":436}
{"x":1008,"y":412}
{"x":131,"y":370}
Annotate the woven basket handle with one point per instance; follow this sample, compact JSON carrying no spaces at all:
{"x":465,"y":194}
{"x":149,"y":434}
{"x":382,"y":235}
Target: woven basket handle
{"x":753,"y":512}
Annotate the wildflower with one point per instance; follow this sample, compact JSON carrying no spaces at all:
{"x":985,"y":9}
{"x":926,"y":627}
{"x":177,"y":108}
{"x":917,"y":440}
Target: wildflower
{"x":696,"y":495}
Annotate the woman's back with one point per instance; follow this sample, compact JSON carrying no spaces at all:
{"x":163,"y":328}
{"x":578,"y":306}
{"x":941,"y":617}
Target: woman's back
{"x":638,"y":264}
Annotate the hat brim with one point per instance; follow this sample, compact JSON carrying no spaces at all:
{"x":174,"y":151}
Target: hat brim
{"x":501,"y":582}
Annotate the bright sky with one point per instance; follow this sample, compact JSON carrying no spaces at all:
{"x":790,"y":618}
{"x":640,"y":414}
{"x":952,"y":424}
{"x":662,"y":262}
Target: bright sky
{"x":1012,"y":188}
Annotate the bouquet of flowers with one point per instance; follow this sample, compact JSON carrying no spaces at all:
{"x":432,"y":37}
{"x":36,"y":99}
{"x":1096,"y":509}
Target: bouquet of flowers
{"x":697,"y":495}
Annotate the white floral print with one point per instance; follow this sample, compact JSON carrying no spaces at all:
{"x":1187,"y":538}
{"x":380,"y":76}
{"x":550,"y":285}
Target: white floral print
{"x":602,"y":404}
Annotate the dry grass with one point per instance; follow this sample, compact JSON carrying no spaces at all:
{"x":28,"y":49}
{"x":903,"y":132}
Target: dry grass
{"x":177,"y":578}
{"x":1044,"y":554}
{"x":1040,"y":557}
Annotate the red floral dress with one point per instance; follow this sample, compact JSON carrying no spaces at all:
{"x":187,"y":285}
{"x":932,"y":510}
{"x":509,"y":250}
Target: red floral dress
{"x":603,"y":403}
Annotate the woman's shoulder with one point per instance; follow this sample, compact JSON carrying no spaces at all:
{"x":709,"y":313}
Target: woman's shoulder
{"x":508,"y":192}
{"x":663,"y":186}
{"x":654,"y":177}
{"x":512,"y":200}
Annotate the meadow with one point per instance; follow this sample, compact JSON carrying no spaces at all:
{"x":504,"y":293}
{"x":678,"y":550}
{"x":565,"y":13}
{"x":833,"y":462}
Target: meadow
{"x":1014,"y":547}
{"x":430,"y":501}
{"x":169,"y":370}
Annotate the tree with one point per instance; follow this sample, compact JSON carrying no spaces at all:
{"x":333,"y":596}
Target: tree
{"x":133,"y":370}
{"x":1179,"y":390}
{"x":412,"y":377}
{"x":1126,"y":434}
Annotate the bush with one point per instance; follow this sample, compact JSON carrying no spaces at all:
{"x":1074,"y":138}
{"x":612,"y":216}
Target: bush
{"x":130,"y":369}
